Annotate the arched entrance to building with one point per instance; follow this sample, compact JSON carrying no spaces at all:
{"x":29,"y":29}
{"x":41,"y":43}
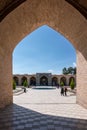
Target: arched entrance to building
{"x":70,"y":79}
{"x":63,"y":79}
{"x":57,"y":14}
{"x":16,"y":80}
{"x":23,"y":80}
{"x":32,"y":81}
{"x":54,"y":81}
{"x":44,"y":81}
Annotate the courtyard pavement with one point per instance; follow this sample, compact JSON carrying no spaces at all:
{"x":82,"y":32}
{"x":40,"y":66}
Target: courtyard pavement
{"x":43,"y":110}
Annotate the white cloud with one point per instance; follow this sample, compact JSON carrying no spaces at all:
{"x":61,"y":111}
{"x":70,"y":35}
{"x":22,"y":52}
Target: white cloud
{"x":74,"y":64}
{"x":50,"y":71}
{"x":59,"y":72}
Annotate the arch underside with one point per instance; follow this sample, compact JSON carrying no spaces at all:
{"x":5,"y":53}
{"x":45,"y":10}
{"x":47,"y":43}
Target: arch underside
{"x":30,"y":15}
{"x":7,"y":6}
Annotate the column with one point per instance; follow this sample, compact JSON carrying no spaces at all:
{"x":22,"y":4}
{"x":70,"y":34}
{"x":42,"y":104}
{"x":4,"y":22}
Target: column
{"x":6,"y":78}
{"x":19,"y":80}
{"x":81,"y":79}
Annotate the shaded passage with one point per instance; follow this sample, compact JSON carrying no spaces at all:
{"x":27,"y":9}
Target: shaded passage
{"x":16,"y":117}
{"x":43,"y":110}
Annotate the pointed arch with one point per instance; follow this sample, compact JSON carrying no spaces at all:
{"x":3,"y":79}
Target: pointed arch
{"x":16,"y":79}
{"x":57,"y":14}
{"x":63,"y":79}
{"x":44,"y":81}
{"x":54,"y":81}
{"x":70,"y":79}
{"x":33,"y":81}
{"x":23,"y":79}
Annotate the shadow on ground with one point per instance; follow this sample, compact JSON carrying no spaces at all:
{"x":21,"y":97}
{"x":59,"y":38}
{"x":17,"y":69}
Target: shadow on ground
{"x":15,"y":117}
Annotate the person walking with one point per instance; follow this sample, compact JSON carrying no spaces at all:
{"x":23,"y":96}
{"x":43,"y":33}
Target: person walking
{"x":24,"y":90}
{"x":62,"y":90}
{"x":65,"y":91}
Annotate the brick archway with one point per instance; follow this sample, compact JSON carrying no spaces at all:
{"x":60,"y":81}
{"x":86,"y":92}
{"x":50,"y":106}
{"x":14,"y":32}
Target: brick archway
{"x":54,"y":81}
{"x":23,"y":80}
{"x":33,"y":81}
{"x":44,"y":81}
{"x":15,"y":78}
{"x":57,"y":14}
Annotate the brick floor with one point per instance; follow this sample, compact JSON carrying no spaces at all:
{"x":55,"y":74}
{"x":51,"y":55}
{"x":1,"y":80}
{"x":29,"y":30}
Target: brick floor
{"x":43,"y":110}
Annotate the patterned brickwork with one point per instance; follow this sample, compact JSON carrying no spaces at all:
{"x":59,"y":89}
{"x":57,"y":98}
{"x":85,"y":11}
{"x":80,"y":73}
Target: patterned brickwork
{"x":40,"y":113}
{"x":20,"y":118}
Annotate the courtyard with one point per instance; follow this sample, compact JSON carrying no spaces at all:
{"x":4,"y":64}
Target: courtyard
{"x":43,"y":109}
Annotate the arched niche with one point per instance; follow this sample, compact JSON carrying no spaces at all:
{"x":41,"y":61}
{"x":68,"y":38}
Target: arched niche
{"x":54,"y":81}
{"x":23,"y":79}
{"x":33,"y":81}
{"x":44,"y":81}
{"x":15,"y":78}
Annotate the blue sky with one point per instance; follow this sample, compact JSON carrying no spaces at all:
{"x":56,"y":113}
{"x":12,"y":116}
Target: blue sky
{"x":44,"y":50}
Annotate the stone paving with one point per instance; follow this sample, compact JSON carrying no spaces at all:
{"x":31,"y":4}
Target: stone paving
{"x":43,"y":110}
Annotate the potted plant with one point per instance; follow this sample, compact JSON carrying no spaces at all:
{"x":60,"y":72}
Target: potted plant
{"x":25,"y":84}
{"x":72,"y":84}
{"x":14,"y":85}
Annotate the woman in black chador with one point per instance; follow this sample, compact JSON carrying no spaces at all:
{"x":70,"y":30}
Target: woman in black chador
{"x":62,"y":91}
{"x":65,"y":90}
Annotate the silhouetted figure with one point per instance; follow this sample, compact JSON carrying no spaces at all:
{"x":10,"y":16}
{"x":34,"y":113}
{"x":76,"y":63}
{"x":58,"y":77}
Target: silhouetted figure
{"x":62,"y":91}
{"x":24,"y":90}
{"x":57,"y":85}
{"x":65,"y":91}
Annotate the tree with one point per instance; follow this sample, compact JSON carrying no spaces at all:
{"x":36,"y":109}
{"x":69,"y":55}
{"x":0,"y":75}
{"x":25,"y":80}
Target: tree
{"x":61,"y":83}
{"x":14,"y":84}
{"x":65,"y":71}
{"x":25,"y":83}
{"x":74,"y":70}
{"x":72,"y":84}
{"x":69,"y":70}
